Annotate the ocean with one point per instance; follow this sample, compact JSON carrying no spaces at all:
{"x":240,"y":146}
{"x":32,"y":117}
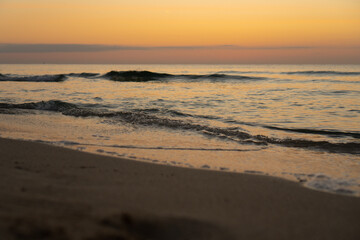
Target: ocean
{"x":298,"y":122}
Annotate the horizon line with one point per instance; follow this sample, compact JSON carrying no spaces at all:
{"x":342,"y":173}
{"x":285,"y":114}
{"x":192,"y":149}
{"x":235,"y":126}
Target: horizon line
{"x":49,"y":47}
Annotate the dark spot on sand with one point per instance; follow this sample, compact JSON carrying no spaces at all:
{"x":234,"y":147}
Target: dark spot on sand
{"x":253,"y":172}
{"x":128,"y":226}
{"x":23,"y":168}
{"x":224,"y":169}
{"x":34,"y":230}
{"x":111,"y":236}
{"x":86,"y":167}
{"x":127,"y":219}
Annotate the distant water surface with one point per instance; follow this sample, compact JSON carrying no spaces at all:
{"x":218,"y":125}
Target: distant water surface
{"x":299,"y":122}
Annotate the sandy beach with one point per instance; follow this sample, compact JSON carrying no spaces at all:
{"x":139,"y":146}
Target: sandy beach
{"x":49,"y":192}
{"x":179,"y":120}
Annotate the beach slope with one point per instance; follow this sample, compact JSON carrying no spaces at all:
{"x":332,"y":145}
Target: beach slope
{"x":50,"y":192}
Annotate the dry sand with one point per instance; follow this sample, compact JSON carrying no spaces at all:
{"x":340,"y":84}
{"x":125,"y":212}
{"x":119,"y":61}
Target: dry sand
{"x":48,"y":192}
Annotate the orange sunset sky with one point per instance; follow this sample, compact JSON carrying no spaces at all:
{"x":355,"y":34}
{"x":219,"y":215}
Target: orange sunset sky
{"x":186,"y":31}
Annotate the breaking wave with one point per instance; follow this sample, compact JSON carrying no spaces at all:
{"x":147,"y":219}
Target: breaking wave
{"x":222,"y":76}
{"x":310,"y":72}
{"x":319,"y":132}
{"x":83,"y":75}
{"x":52,"y":105}
{"x":244,"y":72}
{"x":144,"y":76}
{"x":37,"y":78}
{"x":146,"y":118}
{"x":322,"y":73}
{"x":125,"y":76}
{"x":135,"y":76}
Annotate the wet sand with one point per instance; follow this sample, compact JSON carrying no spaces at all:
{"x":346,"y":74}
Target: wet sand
{"x":50,"y":192}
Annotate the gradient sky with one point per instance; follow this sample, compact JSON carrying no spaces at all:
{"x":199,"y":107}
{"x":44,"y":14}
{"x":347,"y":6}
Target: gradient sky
{"x":186,"y":31}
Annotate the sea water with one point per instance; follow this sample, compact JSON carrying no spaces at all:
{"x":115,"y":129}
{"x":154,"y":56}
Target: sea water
{"x":299,"y":122}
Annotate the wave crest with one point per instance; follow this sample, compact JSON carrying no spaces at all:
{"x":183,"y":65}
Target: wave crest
{"x":146,"y":119}
{"x":135,"y":76}
{"x":36,"y":78}
{"x":84,"y":75}
{"x":316,"y":131}
{"x":144,"y":76}
{"x":52,"y":105}
{"x":322,"y":73}
{"x":126,"y":76}
{"x":222,"y":76}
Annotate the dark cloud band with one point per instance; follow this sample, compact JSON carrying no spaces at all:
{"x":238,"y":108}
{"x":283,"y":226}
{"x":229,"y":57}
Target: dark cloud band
{"x":46,"y":48}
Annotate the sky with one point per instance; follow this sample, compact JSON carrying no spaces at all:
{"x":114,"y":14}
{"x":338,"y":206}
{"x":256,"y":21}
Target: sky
{"x":186,"y":31}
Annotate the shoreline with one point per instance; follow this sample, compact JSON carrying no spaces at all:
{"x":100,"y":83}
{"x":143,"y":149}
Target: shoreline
{"x":50,"y":192}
